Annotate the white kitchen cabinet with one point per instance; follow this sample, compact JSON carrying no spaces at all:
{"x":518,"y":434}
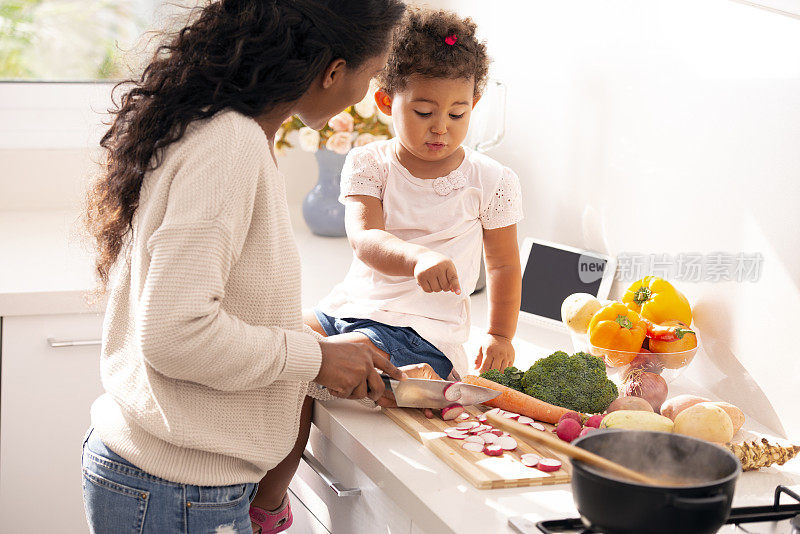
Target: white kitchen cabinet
{"x":304,"y":521}
{"x":45,"y":395}
{"x":370,"y":512}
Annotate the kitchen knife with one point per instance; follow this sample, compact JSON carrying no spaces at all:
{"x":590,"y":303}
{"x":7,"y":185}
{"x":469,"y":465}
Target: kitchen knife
{"x":425,"y":393}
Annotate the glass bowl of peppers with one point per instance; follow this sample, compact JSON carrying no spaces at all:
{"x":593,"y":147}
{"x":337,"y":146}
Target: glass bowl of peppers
{"x":649,"y":330}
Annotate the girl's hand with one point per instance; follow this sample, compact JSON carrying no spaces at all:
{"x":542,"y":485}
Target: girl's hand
{"x":421,"y":370}
{"x":414,"y":370}
{"x":496,"y":352}
{"x":436,"y":272}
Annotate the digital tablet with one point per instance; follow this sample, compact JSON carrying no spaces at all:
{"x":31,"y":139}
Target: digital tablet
{"x":551,"y":272}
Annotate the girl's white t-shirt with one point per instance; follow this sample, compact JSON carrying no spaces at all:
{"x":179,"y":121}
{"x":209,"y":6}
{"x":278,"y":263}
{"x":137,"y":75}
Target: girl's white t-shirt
{"x":446,"y":214}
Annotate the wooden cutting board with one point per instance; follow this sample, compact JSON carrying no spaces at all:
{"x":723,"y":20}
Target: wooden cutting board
{"x":482,"y":471}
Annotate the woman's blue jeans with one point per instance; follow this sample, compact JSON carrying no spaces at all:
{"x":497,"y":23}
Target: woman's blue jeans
{"x":120,"y":498}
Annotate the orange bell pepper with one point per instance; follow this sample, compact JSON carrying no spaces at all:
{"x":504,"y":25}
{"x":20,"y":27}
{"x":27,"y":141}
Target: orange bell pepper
{"x":618,"y":329}
{"x":658,"y":300}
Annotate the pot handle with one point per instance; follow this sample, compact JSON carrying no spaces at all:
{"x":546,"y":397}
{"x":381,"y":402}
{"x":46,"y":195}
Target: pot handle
{"x":695,"y":503}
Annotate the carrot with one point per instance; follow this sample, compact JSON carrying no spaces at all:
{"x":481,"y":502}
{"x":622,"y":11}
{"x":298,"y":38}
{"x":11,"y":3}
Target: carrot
{"x":515,"y":401}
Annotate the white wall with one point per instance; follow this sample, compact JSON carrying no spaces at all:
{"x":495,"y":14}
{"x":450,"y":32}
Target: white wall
{"x":49,"y":151}
{"x":55,"y":179}
{"x":667,"y":126}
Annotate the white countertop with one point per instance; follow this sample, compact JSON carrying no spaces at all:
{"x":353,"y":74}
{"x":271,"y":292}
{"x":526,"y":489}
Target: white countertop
{"x":45,"y":269}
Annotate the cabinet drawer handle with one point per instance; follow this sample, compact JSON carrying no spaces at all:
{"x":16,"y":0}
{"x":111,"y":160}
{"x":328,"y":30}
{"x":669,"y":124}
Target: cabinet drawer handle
{"x":58,"y":343}
{"x":326,"y":476}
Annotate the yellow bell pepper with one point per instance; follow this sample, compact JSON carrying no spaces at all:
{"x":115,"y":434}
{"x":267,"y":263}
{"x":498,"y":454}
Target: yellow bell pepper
{"x":619,"y":330}
{"x":657,"y":300}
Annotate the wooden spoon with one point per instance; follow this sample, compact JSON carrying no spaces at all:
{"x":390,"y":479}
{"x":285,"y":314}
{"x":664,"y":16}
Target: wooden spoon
{"x":576,"y":453}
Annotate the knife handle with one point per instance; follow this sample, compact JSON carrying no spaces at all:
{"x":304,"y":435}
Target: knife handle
{"x":387,"y":381}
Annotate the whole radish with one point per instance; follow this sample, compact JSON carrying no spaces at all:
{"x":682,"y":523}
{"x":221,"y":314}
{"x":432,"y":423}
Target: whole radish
{"x":595,"y":420}
{"x":568,"y":429}
{"x":570,"y":415}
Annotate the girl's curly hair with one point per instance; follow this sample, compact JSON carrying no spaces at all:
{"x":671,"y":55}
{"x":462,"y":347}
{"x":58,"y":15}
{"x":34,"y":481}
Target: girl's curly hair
{"x":422,"y":47}
{"x":245,"y":55}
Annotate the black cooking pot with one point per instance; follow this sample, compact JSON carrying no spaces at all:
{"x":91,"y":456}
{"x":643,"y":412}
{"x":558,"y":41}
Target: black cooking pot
{"x":615,"y":506}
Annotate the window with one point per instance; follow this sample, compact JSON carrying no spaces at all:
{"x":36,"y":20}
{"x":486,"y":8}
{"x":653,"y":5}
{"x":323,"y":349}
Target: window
{"x":59,"y":60}
{"x":69,"y":40}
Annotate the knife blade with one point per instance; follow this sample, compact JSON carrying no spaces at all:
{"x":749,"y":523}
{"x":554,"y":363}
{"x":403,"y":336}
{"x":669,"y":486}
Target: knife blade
{"x":427,"y":393}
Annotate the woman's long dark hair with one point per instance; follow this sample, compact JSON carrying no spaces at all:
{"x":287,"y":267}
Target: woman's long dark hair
{"x":246,"y":55}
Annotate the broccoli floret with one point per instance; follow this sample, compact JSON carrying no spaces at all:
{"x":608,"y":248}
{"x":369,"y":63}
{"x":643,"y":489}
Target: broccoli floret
{"x":510,"y":377}
{"x":494,"y":375}
{"x":578,"y":382}
{"x":513,"y":378}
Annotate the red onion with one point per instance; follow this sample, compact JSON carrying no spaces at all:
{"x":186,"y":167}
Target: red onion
{"x":648,"y":386}
{"x":647,"y":361}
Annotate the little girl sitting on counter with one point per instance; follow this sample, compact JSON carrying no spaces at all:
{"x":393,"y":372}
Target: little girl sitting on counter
{"x":420,"y":208}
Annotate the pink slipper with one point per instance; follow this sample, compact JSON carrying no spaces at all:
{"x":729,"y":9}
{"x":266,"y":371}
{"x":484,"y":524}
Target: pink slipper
{"x":273,"y":522}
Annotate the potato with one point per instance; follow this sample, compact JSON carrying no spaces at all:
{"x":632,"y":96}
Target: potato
{"x":706,"y":421}
{"x":637,"y":420}
{"x":736,"y":415}
{"x":577,"y":310}
{"x":629,"y":403}
{"x":672,"y":407}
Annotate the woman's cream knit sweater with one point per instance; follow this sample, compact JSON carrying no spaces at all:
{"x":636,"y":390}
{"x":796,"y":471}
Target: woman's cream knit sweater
{"x":205,"y":361}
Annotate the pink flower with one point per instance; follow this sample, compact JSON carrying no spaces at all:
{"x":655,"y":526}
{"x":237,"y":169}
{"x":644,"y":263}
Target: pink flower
{"x":340,"y":142}
{"x":343,"y":122}
{"x":364,"y":139}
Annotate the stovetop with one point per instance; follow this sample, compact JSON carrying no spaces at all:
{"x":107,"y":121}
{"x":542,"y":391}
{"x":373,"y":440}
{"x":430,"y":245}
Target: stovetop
{"x":774,"y":519}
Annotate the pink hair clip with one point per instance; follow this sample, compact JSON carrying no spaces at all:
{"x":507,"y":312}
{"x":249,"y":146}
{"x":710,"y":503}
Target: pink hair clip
{"x":451,"y":39}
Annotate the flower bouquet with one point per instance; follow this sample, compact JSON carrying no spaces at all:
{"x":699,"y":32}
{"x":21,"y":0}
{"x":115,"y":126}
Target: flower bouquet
{"x":356,"y":126}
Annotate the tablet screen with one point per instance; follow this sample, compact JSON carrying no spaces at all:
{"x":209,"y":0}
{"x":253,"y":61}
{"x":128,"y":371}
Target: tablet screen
{"x":552,"y":274}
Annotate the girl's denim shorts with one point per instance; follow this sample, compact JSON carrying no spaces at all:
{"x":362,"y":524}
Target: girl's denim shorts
{"x":403,"y":344}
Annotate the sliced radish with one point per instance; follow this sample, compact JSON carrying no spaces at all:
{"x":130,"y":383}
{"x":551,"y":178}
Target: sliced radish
{"x":468,"y":425}
{"x":511,"y":415}
{"x":476,"y":439}
{"x":482,"y":418}
{"x":493,"y":411}
{"x":452,"y":429}
{"x":497,"y":432}
{"x":507,"y":443}
{"x":472,"y":446}
{"x":489,"y":438}
{"x":463,"y":416}
{"x":548,"y":465}
{"x":451,"y":412}
{"x":452,"y":392}
{"x":493,"y":450}
{"x":530,"y":460}
{"x":538,"y":426}
{"x":524,"y":420}
{"x":457,"y":435}
{"x":479,"y":429}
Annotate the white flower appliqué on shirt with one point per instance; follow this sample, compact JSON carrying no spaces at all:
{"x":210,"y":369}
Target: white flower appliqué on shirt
{"x":444,"y":185}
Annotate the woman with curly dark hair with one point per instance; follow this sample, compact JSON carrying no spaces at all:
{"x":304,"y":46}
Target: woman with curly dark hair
{"x":205,"y":361}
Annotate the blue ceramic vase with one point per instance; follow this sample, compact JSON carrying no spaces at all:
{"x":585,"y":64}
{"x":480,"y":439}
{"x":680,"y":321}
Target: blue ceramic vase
{"x":322,"y":211}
